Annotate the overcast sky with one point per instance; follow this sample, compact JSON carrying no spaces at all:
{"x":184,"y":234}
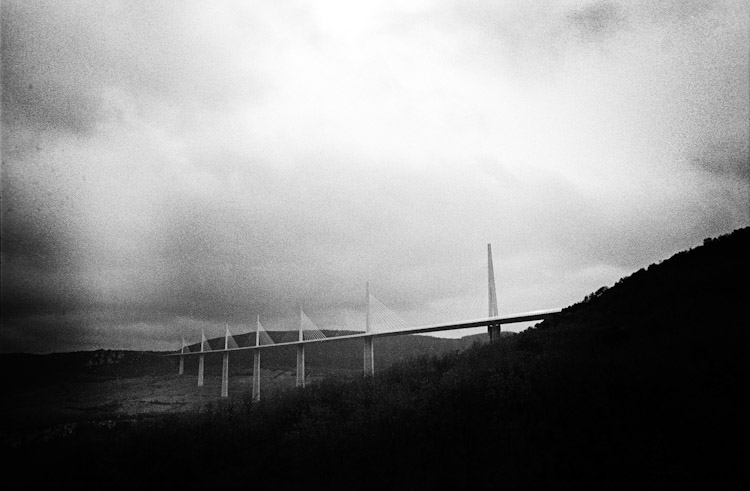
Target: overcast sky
{"x":170,"y":166}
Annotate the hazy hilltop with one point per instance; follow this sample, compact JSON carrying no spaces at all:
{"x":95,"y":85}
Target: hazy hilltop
{"x":638,"y":386}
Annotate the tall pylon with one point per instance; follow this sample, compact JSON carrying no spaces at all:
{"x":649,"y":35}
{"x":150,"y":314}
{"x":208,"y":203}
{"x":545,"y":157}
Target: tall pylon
{"x":301,"y":352}
{"x":367,"y":307}
{"x":369,"y":350}
{"x":493,"y":329}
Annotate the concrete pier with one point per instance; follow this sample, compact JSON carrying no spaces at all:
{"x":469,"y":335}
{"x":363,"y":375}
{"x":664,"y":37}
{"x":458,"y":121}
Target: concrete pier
{"x":369,"y":357}
{"x":225,"y":367}
{"x":300,"y":365}
{"x":225,"y":376}
{"x":201,"y":359}
{"x":182,"y":358}
{"x":256,"y":375}
{"x":201,"y":362}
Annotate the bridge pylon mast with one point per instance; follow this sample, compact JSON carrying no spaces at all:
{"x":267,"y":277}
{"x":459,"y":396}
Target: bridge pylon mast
{"x":493,"y":329}
{"x":369,"y":351}
{"x":301,"y":352}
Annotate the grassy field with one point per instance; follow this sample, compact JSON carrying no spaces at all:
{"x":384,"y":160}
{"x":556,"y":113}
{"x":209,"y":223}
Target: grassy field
{"x":48,"y":396}
{"x":46,"y":412}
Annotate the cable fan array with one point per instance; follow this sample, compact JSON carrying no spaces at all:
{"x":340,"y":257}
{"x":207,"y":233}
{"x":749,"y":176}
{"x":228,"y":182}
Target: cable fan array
{"x":383,"y":319}
{"x":229,"y":342}
{"x":309,"y":329}
{"x":263,"y":338}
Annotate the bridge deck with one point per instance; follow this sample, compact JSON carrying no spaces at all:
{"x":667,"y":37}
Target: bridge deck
{"x":500,"y":319}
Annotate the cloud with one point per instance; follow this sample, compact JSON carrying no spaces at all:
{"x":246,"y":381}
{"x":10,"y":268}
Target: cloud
{"x":597,"y":22}
{"x":168,"y":165}
{"x":62,"y":61}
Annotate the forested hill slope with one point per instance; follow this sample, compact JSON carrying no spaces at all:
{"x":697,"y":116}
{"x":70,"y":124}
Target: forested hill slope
{"x":701,"y":288}
{"x":640,"y":386}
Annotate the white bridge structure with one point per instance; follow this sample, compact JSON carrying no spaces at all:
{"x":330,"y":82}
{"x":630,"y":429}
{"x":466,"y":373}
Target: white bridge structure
{"x":376,"y":314}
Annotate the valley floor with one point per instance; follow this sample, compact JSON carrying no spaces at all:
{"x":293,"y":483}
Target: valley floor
{"x":53,"y":411}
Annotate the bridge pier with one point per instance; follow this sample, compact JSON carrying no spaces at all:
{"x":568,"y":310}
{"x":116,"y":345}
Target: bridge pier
{"x":256,"y":375}
{"x":369,"y":357}
{"x":494,"y":330}
{"x":201,"y":359}
{"x":225,"y":367}
{"x":182,"y":357}
{"x":225,"y":376}
{"x":200,"y":370}
{"x":300,"y":365}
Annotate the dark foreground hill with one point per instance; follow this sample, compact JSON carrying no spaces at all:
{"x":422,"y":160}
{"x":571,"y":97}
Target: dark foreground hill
{"x":637,"y":387}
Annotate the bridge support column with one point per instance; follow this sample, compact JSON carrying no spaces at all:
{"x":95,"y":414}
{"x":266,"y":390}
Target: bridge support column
{"x":300,"y":365}
{"x":182,"y":358}
{"x":256,"y":375}
{"x":225,"y":376}
{"x":200,"y":370}
{"x":201,"y":361}
{"x":493,"y":329}
{"x":225,"y":366}
{"x":369,"y":357}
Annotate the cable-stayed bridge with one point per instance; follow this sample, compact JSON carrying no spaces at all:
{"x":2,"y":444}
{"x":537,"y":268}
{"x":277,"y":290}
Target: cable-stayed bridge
{"x":380,"y":321}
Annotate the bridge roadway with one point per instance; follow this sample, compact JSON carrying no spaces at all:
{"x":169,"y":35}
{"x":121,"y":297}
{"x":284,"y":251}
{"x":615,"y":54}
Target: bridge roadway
{"x":500,"y":319}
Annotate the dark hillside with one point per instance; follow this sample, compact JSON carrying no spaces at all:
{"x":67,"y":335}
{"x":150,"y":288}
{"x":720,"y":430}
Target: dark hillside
{"x":23,"y":371}
{"x":637,"y":387}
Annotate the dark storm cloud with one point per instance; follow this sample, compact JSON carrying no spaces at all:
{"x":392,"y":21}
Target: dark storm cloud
{"x":596,"y":22}
{"x":47,"y":78}
{"x":40,"y":247}
{"x":729,"y":157}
